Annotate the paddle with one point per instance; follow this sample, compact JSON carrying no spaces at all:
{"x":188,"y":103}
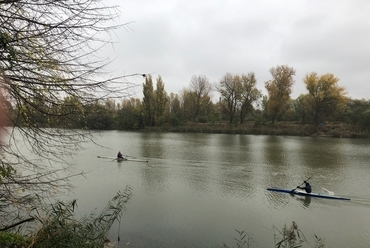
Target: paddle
{"x":137,"y":159}
{"x":301,"y":184}
{"x":105,"y":157}
{"x":129,"y":156}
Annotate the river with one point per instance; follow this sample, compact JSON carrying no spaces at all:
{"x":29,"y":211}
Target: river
{"x":198,"y":189}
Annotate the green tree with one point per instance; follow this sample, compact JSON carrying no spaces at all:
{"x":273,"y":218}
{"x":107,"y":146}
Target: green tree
{"x":187,"y":104}
{"x":175,"y":106}
{"x":98,"y":117}
{"x":366,"y":120}
{"x":129,"y":116}
{"x":161,"y":103}
{"x":175,"y":109}
{"x":325,"y":97}
{"x":300,"y":107}
{"x":357,"y":113}
{"x":71,"y":114}
{"x":148,"y":101}
{"x":279,"y":90}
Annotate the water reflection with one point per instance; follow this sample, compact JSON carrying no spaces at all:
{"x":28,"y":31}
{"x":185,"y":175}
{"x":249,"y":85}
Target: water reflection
{"x":152,"y":145}
{"x":322,"y":153}
{"x":274,"y":153}
{"x":277,"y":200}
{"x":275,"y":156}
{"x":282,"y":200}
{"x":305,"y":201}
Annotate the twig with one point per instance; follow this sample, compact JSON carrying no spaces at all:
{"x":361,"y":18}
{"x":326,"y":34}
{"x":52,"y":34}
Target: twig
{"x":16,"y":224}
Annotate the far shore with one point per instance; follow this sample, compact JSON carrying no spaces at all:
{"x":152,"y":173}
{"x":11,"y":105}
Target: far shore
{"x":334,"y":130}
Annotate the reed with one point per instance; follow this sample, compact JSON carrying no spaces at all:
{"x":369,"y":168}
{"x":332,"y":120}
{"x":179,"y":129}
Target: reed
{"x":287,"y":237}
{"x":61,"y":228}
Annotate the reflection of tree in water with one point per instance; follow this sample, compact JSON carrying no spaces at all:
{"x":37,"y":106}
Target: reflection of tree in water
{"x":275,"y":157}
{"x":321,"y":153}
{"x":326,"y":159}
{"x":234,"y":168}
{"x":235,"y":148}
{"x":274,"y":152}
{"x":278,"y":201}
{"x":281,"y":200}
{"x":154,"y":178}
{"x":152,"y":145}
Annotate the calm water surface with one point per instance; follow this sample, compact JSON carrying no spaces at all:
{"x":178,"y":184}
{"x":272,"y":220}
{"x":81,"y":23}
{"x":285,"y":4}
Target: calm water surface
{"x":197,"y":189}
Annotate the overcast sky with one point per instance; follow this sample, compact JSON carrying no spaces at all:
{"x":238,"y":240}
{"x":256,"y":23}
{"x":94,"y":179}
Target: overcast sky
{"x":181,"y":38}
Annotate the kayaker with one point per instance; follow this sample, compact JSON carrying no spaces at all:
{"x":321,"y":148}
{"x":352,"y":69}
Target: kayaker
{"x":307,"y":187}
{"x":119,"y":155}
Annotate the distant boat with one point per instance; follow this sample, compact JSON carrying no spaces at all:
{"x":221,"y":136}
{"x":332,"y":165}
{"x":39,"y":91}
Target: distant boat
{"x":133,"y":159}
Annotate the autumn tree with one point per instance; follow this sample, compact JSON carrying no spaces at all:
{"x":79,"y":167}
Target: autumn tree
{"x":48,"y":55}
{"x":325,"y":97}
{"x":279,"y":89}
{"x":249,"y":94}
{"x":201,"y":89}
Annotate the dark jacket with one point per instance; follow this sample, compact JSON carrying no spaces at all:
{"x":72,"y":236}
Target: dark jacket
{"x":307,"y":187}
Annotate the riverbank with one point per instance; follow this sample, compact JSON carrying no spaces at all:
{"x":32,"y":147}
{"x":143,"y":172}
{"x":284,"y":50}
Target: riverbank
{"x":335,"y":130}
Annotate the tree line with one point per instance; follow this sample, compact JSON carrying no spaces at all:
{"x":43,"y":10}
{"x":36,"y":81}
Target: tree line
{"x":240,"y":101}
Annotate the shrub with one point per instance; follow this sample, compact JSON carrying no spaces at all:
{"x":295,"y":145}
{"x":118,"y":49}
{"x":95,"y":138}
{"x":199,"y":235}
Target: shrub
{"x":12,"y":240}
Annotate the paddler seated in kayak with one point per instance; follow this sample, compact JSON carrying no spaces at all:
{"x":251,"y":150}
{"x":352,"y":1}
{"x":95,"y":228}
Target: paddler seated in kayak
{"x":307,"y":187}
{"x":119,"y":155}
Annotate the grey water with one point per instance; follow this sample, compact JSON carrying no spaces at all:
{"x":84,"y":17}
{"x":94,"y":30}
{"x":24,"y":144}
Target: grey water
{"x":198,"y":189}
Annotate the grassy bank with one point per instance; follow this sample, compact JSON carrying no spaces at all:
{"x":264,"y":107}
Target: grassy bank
{"x":337,"y":130}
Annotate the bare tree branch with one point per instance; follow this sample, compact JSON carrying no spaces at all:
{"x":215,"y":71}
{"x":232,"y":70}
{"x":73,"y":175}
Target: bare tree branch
{"x":49,"y":52}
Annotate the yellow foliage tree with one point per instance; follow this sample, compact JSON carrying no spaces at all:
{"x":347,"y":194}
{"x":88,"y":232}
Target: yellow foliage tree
{"x":279,"y":90}
{"x":325,"y":97}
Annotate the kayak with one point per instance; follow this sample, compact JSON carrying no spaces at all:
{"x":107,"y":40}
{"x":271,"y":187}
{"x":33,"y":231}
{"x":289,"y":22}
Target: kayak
{"x":121,"y":159}
{"x":304,"y":193}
